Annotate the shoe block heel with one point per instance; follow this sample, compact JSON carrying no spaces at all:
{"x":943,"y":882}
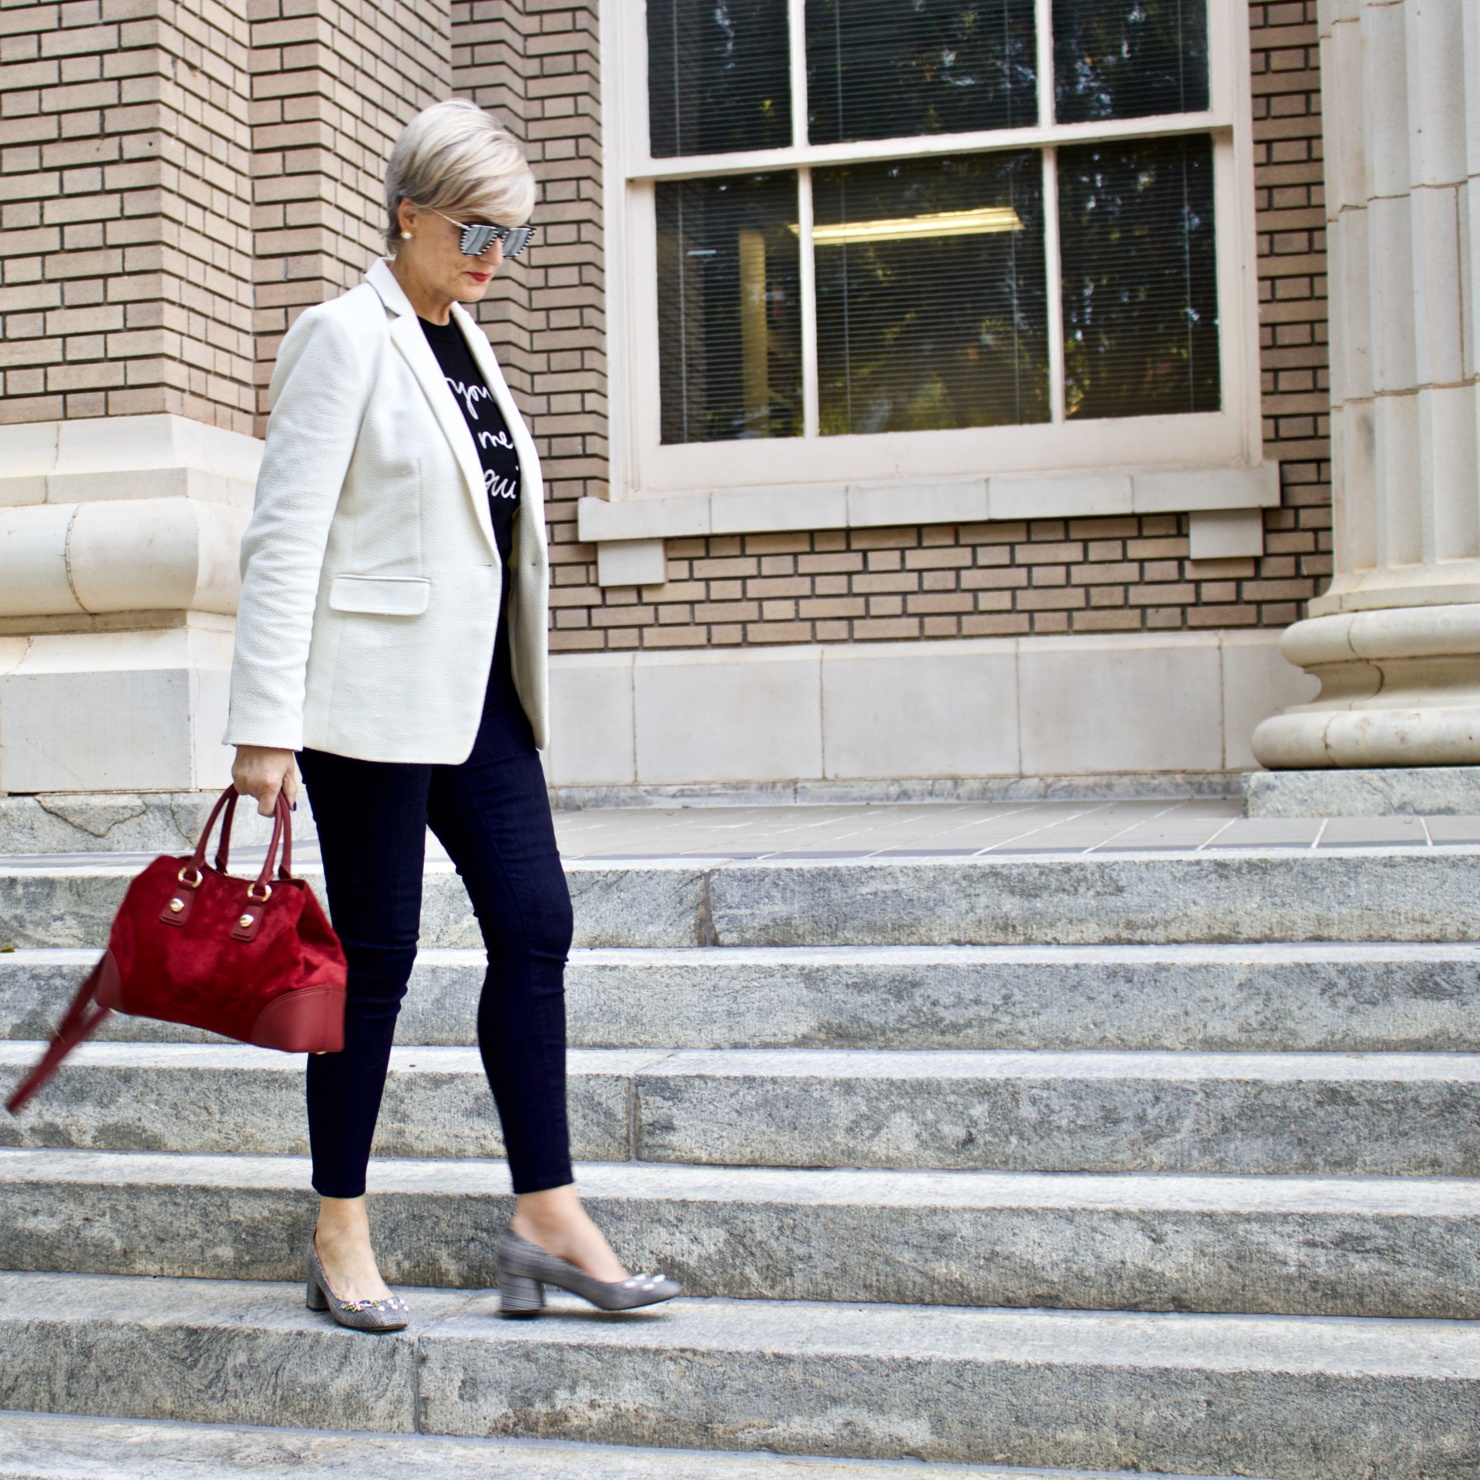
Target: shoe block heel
{"x":520,"y":1297}
{"x":314,"y":1297}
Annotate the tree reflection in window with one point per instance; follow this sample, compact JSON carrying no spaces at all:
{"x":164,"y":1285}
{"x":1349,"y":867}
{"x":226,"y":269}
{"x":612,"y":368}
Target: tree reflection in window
{"x":1129,"y":58}
{"x":880,"y":69}
{"x":1140,"y":277}
{"x":930,"y":294}
{"x":718,"y":76}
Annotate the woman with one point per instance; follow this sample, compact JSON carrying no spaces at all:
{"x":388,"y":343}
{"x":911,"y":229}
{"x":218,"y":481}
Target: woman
{"x":392,"y":633}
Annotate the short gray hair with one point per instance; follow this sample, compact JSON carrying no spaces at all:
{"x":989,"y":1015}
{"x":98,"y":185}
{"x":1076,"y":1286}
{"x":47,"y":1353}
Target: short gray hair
{"x":454,"y":157}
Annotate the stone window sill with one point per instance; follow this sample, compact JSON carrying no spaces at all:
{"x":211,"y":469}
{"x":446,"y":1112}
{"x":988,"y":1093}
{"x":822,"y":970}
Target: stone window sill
{"x":1223,"y":501}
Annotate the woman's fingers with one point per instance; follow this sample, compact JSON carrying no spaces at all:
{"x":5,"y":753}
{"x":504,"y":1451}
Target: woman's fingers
{"x":261,"y":773}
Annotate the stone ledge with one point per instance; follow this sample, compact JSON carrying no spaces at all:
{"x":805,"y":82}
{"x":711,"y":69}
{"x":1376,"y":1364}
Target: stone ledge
{"x":124,"y":822}
{"x":1056,"y":495}
{"x":1398,"y":791}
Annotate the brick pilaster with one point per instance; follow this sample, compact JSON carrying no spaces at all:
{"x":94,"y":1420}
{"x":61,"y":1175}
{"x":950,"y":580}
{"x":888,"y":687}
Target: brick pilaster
{"x":125,"y":243}
{"x":333,"y":84}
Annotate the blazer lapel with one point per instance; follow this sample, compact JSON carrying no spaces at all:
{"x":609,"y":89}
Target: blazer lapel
{"x":406,"y":335}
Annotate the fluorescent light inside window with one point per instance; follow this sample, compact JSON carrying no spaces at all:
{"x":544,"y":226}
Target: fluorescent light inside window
{"x":983,"y":221}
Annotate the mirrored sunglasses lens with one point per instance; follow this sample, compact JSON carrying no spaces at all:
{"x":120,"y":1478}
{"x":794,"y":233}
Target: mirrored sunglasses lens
{"x":517,"y":239}
{"x":476,"y":240}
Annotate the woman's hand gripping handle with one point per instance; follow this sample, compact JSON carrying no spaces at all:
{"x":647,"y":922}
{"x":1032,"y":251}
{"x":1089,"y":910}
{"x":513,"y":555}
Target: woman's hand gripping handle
{"x":260,"y":772}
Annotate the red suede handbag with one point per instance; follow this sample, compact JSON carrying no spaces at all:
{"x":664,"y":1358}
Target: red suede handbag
{"x":253,"y":960}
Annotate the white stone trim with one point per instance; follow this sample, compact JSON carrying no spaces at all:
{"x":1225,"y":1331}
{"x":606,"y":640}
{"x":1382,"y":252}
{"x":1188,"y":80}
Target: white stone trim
{"x":631,"y":563}
{"x":1073,"y":705}
{"x":129,"y":711}
{"x":961,"y":501}
{"x":1225,"y":534}
{"x":126,"y":457}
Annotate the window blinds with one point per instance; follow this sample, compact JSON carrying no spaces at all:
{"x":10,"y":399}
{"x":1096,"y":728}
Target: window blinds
{"x":729,"y":316}
{"x":930,"y":275}
{"x":1140,"y":277}
{"x":718,"y":76}
{"x":882,"y":69}
{"x":930,"y":294}
{"x":1129,"y":58}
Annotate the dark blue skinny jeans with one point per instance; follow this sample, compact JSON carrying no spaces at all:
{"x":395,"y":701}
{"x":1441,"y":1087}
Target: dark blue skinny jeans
{"x":492,"y":815}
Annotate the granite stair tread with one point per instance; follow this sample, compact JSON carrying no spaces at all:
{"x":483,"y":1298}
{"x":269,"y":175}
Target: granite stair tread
{"x":1350,"y":1114}
{"x":1342,"y":996}
{"x":909,"y":1188}
{"x":1397,"y":1247}
{"x":1307,"y":1398}
{"x":1343,"y":894}
{"x":37,"y":1446}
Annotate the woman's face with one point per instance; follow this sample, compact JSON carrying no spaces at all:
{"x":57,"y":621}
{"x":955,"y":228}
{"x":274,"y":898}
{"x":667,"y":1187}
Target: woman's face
{"x":431,"y":257}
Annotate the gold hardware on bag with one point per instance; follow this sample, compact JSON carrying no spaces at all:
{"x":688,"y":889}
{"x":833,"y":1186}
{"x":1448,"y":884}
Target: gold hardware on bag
{"x":176,"y":905}
{"x":244,"y":921}
{"x":190,"y":883}
{"x":259,"y":898}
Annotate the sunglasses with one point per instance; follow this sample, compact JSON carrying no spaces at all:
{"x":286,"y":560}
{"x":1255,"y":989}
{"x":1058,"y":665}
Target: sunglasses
{"x":476,"y":240}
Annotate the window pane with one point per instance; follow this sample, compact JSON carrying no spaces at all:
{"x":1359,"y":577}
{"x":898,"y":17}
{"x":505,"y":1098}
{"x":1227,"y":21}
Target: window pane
{"x":729,"y":324}
{"x":718,"y":78}
{"x":1129,"y":58}
{"x":883,"y":69}
{"x":930,"y":294}
{"x":1140,"y":277}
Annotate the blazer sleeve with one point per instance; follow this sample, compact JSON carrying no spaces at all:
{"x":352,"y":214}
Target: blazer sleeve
{"x":320,"y":390}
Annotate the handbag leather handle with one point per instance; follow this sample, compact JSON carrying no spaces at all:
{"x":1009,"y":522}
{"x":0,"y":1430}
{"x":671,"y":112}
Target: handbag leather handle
{"x":82,"y":1020}
{"x":282,"y":834}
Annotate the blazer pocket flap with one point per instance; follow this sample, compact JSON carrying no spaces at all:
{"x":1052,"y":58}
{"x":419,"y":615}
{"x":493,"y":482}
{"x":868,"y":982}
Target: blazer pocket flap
{"x":388,"y":596}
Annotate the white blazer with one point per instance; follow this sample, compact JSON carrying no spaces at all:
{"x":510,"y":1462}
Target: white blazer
{"x":370,"y":575}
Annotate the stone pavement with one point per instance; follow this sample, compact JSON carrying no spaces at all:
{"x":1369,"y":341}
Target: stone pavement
{"x":934,"y":829}
{"x":964,"y":829}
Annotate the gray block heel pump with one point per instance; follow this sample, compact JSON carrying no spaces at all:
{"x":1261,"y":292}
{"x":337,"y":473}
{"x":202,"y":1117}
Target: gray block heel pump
{"x":524,"y":1269}
{"x":391,"y":1314}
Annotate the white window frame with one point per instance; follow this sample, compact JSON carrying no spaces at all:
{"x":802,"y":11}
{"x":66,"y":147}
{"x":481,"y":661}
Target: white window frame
{"x":815,"y":467}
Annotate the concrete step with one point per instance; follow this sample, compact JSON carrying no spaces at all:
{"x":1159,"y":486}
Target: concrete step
{"x":1356,"y":894}
{"x":1277,"y":1245}
{"x":1304,"y":1398}
{"x":39,"y":1446}
{"x":1328,"y":996}
{"x":1322,"y":1114}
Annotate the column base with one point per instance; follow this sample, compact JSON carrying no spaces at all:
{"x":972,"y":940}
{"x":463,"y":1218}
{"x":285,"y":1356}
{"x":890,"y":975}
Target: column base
{"x":1399,"y":687}
{"x":116,"y":711}
{"x":1393,"y":791}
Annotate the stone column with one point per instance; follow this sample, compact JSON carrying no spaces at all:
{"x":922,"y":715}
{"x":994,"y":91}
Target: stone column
{"x":1396,"y":639}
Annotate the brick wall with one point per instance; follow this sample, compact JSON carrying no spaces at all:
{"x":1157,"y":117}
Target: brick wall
{"x":972,"y":580}
{"x":125,"y":250}
{"x":332,"y":86}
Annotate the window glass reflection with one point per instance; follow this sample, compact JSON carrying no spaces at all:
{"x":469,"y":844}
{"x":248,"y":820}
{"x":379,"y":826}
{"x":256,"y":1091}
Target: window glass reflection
{"x":930,"y":294}
{"x":1140,"y":277}
{"x":880,"y":69}
{"x":1129,"y":58}
{"x":729,"y":322}
{"x":718,"y":78}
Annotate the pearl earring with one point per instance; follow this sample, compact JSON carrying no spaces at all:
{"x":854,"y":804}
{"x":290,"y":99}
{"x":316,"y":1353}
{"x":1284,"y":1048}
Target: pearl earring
{"x":405,"y":236}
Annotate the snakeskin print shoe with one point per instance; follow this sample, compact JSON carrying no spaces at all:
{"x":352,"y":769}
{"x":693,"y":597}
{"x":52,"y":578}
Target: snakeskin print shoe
{"x":391,"y":1314}
{"x":524,"y":1269}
